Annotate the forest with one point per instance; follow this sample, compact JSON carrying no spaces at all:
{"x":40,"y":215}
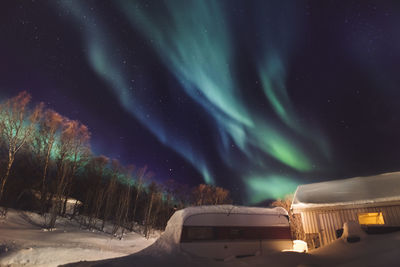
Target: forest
{"x":46,"y":162}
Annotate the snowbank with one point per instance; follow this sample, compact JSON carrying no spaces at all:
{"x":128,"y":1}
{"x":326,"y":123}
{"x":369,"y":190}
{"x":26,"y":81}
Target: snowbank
{"x":352,"y":231}
{"x":371,"y":250}
{"x":24,"y":243}
{"x":28,"y":245}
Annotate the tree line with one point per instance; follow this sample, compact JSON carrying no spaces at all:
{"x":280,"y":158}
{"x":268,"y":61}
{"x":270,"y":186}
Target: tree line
{"x":46,"y":161}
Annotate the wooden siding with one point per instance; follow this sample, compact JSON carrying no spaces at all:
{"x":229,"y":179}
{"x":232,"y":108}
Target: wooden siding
{"x":325,"y":222}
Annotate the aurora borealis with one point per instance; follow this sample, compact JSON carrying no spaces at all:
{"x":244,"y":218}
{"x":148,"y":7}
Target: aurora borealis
{"x":254,"y":96}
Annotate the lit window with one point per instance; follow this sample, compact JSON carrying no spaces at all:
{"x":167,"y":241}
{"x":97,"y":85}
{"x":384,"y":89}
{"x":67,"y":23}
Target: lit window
{"x":371,"y":218}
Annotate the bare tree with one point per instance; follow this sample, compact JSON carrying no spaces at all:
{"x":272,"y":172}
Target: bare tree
{"x":141,"y":176}
{"x":221,"y":196}
{"x":181,"y":195}
{"x":17,"y":124}
{"x":49,"y":125}
{"x":95,"y":198}
{"x":169,"y":188}
{"x":77,"y":137}
{"x":110,"y":192}
{"x":158,"y":205}
{"x":199,"y":194}
{"x":71,"y":148}
{"x":296,"y":226}
{"x":123,"y":202}
{"x":153,"y":194}
{"x":58,"y":151}
{"x":210,"y":195}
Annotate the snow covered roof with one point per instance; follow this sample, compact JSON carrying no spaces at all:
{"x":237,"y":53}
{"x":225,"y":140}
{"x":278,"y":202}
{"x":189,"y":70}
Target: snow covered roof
{"x":228,"y":215}
{"x":358,"y":190}
{"x":228,"y":209}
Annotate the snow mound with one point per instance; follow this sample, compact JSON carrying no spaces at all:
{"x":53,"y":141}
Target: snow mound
{"x":352,"y":231}
{"x":53,"y":256}
{"x":23,"y":242}
{"x":371,"y":250}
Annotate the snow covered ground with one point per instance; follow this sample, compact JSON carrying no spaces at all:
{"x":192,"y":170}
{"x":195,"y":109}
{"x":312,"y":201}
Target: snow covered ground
{"x":23,"y":242}
{"x":378,"y":250}
{"x":373,"y":250}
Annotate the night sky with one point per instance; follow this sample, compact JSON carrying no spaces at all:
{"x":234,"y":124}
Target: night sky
{"x":254,"y":96}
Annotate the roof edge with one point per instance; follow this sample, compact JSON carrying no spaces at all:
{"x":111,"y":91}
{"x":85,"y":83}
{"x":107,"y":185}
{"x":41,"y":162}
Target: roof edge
{"x":297,"y":208}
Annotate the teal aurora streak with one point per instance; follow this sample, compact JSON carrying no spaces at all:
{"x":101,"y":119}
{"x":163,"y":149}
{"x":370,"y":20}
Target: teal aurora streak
{"x":196,"y":43}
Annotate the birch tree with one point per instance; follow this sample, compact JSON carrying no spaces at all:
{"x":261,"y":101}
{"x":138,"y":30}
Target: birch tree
{"x":123,"y":203}
{"x":95,"y":196}
{"x":73,"y":145}
{"x":49,"y":125}
{"x":111,"y":191}
{"x":17,"y":124}
{"x":77,"y":138}
{"x":141,"y":176}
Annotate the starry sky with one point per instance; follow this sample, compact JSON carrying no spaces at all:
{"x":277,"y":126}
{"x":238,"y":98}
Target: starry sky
{"x":254,"y":96}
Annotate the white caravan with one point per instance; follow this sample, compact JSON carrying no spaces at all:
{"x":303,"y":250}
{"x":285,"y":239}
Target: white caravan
{"x":226,"y":231}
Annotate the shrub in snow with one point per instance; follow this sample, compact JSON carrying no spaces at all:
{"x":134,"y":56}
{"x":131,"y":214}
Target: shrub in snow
{"x":352,"y":232}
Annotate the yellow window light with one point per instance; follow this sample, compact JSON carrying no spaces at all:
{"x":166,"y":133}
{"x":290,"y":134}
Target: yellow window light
{"x":370,"y":218}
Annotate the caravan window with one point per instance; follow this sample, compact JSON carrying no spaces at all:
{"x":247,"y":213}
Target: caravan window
{"x":207,"y":233}
{"x":200,"y":233}
{"x":371,"y":218}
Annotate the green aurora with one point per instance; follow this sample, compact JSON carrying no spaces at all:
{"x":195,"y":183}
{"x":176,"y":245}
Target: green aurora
{"x":195,"y":42}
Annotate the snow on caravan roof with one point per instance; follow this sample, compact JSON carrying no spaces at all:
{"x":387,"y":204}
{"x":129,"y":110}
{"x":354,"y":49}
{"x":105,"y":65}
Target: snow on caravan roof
{"x":170,"y":239}
{"x":358,"y":190}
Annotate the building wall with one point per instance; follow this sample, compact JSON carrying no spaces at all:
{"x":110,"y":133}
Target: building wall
{"x":325,"y":222}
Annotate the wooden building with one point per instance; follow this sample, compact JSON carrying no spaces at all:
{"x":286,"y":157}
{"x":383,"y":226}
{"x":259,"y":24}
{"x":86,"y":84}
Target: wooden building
{"x":373,"y":202}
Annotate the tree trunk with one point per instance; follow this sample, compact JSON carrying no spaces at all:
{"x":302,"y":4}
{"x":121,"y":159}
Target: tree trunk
{"x":109,"y":200}
{"x":5,"y":177}
{"x":146,"y":226}
{"x":43,"y":191}
{"x":68,"y":185}
{"x":136,"y":200}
